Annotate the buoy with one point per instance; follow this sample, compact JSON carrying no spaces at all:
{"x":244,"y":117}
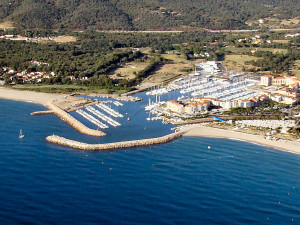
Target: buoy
{"x":208,"y":147}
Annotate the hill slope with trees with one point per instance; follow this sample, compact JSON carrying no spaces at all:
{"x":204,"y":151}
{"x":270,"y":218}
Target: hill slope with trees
{"x":143,"y":14}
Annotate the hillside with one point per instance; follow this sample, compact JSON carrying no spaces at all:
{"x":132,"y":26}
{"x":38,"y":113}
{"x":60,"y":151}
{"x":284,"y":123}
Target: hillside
{"x":143,"y":14}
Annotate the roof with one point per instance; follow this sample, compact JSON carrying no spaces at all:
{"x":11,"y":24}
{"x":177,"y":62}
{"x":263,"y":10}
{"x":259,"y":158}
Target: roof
{"x":267,"y":76}
{"x":174,"y":102}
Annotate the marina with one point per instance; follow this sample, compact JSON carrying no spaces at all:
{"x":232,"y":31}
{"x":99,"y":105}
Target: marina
{"x":91,"y":119}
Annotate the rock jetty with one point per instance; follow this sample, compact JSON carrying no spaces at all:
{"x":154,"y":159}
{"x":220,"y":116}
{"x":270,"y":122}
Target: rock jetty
{"x":37,"y":113}
{"x":115,"y":145}
{"x":73,"y":122}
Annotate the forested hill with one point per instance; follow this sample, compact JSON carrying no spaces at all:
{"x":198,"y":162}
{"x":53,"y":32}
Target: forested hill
{"x":143,"y":14}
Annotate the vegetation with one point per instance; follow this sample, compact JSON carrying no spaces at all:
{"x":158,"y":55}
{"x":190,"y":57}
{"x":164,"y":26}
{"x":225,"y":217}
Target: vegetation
{"x":276,"y":63}
{"x":91,"y":58}
{"x":143,"y":14}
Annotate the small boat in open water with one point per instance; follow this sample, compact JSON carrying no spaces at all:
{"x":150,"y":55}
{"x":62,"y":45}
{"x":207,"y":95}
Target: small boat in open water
{"x":21,"y":135}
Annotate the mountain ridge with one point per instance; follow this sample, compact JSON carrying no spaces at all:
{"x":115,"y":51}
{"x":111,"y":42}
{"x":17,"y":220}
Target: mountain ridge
{"x":143,"y":14}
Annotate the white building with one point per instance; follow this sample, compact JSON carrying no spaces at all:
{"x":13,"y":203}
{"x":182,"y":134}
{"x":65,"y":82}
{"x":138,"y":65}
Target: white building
{"x":211,"y":67}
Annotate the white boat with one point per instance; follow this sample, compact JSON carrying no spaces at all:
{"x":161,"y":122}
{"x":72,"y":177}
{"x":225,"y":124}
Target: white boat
{"x":21,"y":135}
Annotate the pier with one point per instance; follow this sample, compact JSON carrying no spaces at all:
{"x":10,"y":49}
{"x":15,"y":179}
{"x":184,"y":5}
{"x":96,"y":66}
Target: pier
{"x":108,"y":110}
{"x":103,"y":116}
{"x":91,"y":119}
{"x":115,"y":145}
{"x":73,"y":122}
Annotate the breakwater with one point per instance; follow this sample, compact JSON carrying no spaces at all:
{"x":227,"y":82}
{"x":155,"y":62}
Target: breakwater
{"x":115,"y":145}
{"x":37,"y":113}
{"x":72,"y":121}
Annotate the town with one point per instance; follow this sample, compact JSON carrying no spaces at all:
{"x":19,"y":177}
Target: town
{"x":211,"y":91}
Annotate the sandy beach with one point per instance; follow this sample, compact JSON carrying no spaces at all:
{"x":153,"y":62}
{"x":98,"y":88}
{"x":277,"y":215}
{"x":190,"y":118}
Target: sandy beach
{"x":28,"y":96}
{"x":205,"y":131}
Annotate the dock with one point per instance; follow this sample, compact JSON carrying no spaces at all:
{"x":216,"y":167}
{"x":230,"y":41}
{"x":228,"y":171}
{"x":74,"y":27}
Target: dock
{"x":108,"y":110}
{"x":103,"y":116}
{"x":92,"y":119}
{"x":115,"y":145}
{"x":73,"y":122}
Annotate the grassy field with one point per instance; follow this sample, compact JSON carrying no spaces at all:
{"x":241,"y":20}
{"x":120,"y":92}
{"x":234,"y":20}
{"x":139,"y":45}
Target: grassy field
{"x":7,"y":25}
{"x":146,"y":50}
{"x":238,"y":62}
{"x":61,"y":89}
{"x":64,"y":39}
{"x":244,"y":50}
{"x":168,"y":71}
{"x":281,"y":41}
{"x":282,"y":23}
{"x":278,"y":23}
{"x":127,"y":71}
{"x":58,"y":39}
{"x":179,"y":58}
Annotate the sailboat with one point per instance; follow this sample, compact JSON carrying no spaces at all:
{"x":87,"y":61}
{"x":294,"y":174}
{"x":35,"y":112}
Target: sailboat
{"x":149,"y":117}
{"x":21,"y":135}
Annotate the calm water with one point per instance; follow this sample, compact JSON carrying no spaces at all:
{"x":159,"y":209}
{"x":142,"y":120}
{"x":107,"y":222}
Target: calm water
{"x":182,"y":182}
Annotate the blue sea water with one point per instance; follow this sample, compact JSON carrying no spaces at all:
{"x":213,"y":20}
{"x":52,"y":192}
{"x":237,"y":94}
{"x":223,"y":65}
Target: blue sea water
{"x":182,"y":182}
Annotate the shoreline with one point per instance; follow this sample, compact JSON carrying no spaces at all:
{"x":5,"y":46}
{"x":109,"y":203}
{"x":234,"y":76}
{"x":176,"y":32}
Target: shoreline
{"x":27,"y":96}
{"x":205,"y":131}
{"x":196,"y":131}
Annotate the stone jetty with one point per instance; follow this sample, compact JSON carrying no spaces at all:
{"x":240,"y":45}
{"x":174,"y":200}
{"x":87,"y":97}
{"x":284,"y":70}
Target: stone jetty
{"x":72,"y":121}
{"x":115,"y":145}
{"x":37,"y":113}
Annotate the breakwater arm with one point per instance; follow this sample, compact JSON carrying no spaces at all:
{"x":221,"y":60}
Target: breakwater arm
{"x":72,"y":121}
{"x":116,"y":145}
{"x":37,"y":113}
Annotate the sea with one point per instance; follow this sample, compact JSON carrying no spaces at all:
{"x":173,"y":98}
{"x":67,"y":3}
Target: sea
{"x":181,"y":182}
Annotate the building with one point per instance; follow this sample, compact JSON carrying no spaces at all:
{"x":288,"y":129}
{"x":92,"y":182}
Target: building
{"x":266,"y":80}
{"x":175,"y":106}
{"x":192,"y":107}
{"x":278,"y":81}
{"x":210,"y":67}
